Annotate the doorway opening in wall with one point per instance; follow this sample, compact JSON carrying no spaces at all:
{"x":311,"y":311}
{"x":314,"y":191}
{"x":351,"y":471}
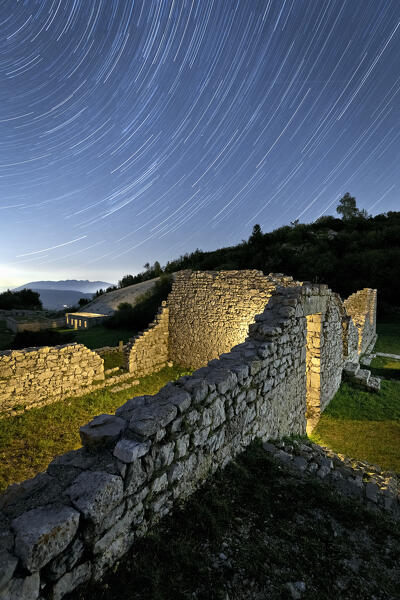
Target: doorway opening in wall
{"x":313,"y":371}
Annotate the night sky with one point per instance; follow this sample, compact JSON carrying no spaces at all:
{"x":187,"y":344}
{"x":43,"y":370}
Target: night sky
{"x":135,"y":131}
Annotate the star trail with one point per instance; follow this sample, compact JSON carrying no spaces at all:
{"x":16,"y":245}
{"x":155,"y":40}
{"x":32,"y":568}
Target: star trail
{"x":138,"y":130}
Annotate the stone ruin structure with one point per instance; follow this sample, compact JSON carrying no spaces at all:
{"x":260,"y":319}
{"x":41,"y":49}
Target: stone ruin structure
{"x":269,"y":354}
{"x":33,"y":377}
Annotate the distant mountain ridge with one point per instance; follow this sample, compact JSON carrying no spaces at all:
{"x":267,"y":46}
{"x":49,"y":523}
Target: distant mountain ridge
{"x":59,"y":299}
{"x":75,"y":285}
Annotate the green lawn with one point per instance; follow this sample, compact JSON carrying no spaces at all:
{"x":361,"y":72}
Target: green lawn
{"x":366,"y":425}
{"x":388,"y":336}
{"x":97,"y":337}
{"x":363,"y":425}
{"x":28,"y":442}
{"x":113,"y":359}
{"x":389,"y":368}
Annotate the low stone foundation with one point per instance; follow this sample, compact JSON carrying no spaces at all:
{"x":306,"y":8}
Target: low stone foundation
{"x":37,"y":376}
{"x":376,"y":488}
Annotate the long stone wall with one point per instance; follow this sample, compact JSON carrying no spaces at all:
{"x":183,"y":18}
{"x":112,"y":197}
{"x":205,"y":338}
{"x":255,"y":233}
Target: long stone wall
{"x":70,"y":524}
{"x":38,"y":376}
{"x":361,"y":307}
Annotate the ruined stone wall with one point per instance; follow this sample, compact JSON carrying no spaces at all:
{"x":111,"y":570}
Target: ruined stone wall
{"x":210,"y":312}
{"x":350,"y":339}
{"x":148,"y":352}
{"x":70,"y":524}
{"x":332,"y":357}
{"x":17,"y":325}
{"x":361,"y":307}
{"x":38,"y":376}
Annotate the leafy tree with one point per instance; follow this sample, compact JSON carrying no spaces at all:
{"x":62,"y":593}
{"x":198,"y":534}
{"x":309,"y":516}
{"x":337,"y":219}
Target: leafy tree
{"x":83,"y":301}
{"x":157,"y":269}
{"x":25,"y":299}
{"x":45,"y":337}
{"x":138,"y":316}
{"x":256,"y":234}
{"x":348,"y":209}
{"x":125,"y":281}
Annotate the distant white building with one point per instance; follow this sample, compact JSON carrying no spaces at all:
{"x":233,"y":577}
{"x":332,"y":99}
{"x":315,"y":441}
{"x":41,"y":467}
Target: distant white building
{"x":83,"y":320}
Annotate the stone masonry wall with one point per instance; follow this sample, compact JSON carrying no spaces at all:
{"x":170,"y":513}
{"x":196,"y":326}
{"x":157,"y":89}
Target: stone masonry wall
{"x":361,"y":307}
{"x":69,"y":525}
{"x":332,"y":355}
{"x":148,"y":352}
{"x":38,"y":376}
{"x":210,"y":312}
{"x":350,"y":338}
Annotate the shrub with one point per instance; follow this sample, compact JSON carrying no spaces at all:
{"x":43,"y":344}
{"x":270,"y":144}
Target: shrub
{"x":46,"y":337}
{"x":143,"y":312}
{"x":24,"y":299}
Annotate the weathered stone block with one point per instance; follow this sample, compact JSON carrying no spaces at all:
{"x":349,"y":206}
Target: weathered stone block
{"x":160,"y":484}
{"x":26,"y":588}
{"x":65,"y":561}
{"x":146,"y":420}
{"x":129,"y":450}
{"x":95,"y":494}
{"x":102,"y":431}
{"x":135,"y":477}
{"x":164,"y":456}
{"x":198,"y":389}
{"x":8,"y":563}
{"x":43,"y":533}
{"x":71,"y":580}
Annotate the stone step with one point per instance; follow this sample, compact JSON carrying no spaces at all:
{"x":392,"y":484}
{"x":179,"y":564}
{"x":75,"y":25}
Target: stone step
{"x":374,"y":384}
{"x":362,"y":377}
{"x":112,"y":370}
{"x":350,"y":370}
{"x":395,"y":356}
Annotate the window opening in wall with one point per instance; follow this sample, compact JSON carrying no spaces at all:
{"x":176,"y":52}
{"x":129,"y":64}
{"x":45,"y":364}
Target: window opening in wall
{"x":80,"y":322}
{"x":313,"y":370}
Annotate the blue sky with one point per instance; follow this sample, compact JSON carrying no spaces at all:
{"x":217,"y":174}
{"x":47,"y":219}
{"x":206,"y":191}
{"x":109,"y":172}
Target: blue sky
{"x":137,"y":131}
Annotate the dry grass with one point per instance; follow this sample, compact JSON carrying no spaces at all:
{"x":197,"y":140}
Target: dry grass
{"x":28,"y":442}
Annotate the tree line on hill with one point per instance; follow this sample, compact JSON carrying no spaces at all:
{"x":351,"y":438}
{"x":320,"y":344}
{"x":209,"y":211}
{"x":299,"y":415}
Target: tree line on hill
{"x":347,"y":253}
{"x":22,"y":300}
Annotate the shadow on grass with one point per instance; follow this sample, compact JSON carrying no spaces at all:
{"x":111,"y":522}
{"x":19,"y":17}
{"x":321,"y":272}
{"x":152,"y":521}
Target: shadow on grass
{"x":363,"y":425}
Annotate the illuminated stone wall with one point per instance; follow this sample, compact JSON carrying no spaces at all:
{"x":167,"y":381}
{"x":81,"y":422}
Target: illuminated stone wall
{"x":210,"y":312}
{"x":313,"y":370}
{"x":361,"y":307}
{"x":37,"y":376}
{"x":148,"y":352}
{"x":69,"y":525}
